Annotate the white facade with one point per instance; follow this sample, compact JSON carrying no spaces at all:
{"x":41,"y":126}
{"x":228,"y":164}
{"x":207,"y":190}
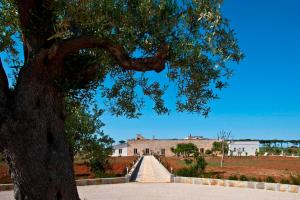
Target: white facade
{"x":120,"y":150}
{"x":243,"y":148}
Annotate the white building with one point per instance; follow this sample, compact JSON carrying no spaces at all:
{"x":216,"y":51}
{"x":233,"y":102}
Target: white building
{"x":120,"y":150}
{"x":243,"y":148}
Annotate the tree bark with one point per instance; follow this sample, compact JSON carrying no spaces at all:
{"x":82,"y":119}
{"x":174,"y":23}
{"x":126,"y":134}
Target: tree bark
{"x":36,"y":149}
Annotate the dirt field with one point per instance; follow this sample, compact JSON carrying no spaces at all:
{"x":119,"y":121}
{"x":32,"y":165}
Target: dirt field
{"x":82,"y":170}
{"x":261,"y":167}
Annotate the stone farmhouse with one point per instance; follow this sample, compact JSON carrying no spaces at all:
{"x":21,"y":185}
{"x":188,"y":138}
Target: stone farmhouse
{"x":143,"y":146}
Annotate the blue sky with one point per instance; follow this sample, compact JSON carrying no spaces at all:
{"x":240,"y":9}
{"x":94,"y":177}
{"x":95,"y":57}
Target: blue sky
{"x":263,"y":98}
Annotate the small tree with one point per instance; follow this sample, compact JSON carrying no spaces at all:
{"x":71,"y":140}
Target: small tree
{"x":217,"y":146}
{"x":185,"y":150}
{"x":223,"y":136}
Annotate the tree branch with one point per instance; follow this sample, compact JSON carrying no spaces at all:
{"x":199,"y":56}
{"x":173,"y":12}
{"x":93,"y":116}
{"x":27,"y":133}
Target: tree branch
{"x":155,"y":63}
{"x":33,"y":15}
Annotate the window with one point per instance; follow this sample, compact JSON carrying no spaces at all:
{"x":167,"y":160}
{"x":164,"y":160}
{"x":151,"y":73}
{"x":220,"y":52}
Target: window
{"x":147,"y":151}
{"x":134,"y":151}
{"x":162,"y":151}
{"x":120,"y":151}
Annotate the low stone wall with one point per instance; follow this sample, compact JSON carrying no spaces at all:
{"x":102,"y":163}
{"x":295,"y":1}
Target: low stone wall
{"x":100,"y":181}
{"x":96,"y":181}
{"x":240,"y":184}
{"x":83,"y":182}
{"x":132,"y":175}
{"x":6,"y":187}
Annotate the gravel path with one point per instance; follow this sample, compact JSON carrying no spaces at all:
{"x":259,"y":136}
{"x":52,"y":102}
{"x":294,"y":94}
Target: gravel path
{"x":151,"y":171}
{"x":171,"y":191}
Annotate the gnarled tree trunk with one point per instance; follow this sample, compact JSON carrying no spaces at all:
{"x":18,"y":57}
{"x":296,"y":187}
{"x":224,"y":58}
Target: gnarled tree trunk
{"x":34,"y":142}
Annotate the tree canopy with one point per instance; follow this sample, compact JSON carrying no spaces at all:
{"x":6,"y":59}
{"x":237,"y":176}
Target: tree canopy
{"x":120,"y":40}
{"x":185,"y":150}
{"x":83,"y":131}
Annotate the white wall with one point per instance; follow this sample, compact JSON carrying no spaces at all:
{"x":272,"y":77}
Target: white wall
{"x":243,"y":148}
{"x":116,"y":152}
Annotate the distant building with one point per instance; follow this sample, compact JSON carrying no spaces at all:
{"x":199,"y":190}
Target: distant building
{"x":120,"y":150}
{"x":143,"y":146}
{"x":243,"y":148}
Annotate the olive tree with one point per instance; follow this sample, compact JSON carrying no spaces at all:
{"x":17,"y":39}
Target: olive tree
{"x":70,"y":47}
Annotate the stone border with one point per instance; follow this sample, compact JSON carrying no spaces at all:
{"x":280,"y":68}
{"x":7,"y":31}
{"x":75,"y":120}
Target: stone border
{"x":241,"y":184}
{"x":81,"y":182}
{"x":132,"y":174}
{"x":96,"y":181}
{"x":6,"y":187}
{"x":101,"y":181}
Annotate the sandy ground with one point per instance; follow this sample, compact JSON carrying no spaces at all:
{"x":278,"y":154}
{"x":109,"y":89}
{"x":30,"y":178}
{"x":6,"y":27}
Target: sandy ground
{"x":261,"y":167}
{"x":171,"y":191}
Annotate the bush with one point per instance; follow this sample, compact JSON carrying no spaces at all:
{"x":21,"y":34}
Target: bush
{"x":196,"y":168}
{"x":285,"y":181}
{"x":270,"y":179}
{"x":253,"y":179}
{"x":243,"y":178}
{"x":233,"y":177}
{"x":200,"y":164}
{"x":188,"y":161}
{"x":187,"y":172}
{"x":208,"y":152}
{"x":218,"y":176}
{"x":295,"y":180}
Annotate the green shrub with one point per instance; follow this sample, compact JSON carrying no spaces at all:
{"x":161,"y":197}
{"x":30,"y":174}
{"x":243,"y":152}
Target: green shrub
{"x":187,"y":172}
{"x":200,"y":164}
{"x":188,"y":161}
{"x":218,"y":176}
{"x":208,"y":152}
{"x":285,"y":181}
{"x":233,"y":177}
{"x":259,"y":180}
{"x":295,"y":180}
{"x":253,"y":179}
{"x":270,"y":179}
{"x":243,"y":178}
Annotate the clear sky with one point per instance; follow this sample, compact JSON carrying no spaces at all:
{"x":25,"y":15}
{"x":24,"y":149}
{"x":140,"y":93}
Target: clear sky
{"x":263,"y":98}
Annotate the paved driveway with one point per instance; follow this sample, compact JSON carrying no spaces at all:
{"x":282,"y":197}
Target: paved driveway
{"x":152,"y":171}
{"x":171,"y":191}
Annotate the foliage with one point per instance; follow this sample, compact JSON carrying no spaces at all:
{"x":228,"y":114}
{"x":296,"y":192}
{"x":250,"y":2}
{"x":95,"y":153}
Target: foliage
{"x":270,"y":179}
{"x":278,"y":151}
{"x":254,"y":179}
{"x":244,"y":178}
{"x":295,"y":179}
{"x":197,"y":35}
{"x":285,"y":181}
{"x":187,"y":172}
{"x":200,"y":164}
{"x":217,"y":146}
{"x":196,"y":167}
{"x":233,"y":177}
{"x":185,"y":150}
{"x":122,"y":142}
{"x":208,"y":152}
{"x":83,"y":130}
